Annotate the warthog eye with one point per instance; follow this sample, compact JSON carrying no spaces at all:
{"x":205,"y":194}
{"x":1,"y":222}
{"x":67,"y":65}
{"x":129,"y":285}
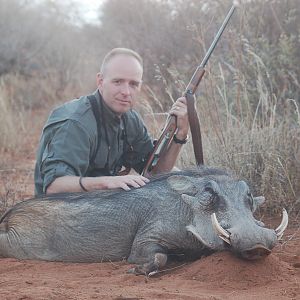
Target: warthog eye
{"x":209,"y":189}
{"x":212,"y":196}
{"x":213,"y":201}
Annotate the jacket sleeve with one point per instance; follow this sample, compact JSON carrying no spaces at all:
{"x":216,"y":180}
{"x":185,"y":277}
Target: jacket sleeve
{"x":67,"y":153}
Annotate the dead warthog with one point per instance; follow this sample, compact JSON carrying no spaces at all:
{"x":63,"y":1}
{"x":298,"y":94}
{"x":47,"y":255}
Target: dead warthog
{"x":187,"y":212}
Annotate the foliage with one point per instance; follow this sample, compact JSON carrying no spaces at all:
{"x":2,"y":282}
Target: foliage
{"x":248,"y":101}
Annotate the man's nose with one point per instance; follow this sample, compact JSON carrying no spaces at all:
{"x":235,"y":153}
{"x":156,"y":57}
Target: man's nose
{"x":125,"y":90}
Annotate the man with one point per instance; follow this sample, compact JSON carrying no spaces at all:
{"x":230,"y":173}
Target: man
{"x":85,"y":142}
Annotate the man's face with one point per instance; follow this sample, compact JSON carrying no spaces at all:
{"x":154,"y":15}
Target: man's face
{"x":120,"y":83}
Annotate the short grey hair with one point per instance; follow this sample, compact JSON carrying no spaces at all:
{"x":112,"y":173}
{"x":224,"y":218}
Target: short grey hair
{"x":120,"y":51}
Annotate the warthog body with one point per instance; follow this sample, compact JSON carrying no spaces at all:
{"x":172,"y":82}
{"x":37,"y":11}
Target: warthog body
{"x":171,"y":214}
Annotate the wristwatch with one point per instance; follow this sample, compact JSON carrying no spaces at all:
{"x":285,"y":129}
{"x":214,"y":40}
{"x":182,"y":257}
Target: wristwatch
{"x":178,"y":141}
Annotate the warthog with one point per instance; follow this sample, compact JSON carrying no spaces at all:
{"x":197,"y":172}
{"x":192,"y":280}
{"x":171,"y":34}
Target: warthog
{"x":187,"y":212}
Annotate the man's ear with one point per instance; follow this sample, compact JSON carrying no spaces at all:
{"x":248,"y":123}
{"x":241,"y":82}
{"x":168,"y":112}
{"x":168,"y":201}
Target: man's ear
{"x":99,"y":79}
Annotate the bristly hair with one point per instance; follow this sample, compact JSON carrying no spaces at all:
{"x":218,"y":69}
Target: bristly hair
{"x":200,"y":171}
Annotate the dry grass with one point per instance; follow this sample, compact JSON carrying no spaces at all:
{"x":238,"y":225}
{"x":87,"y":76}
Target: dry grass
{"x":248,"y":101}
{"x":11,"y":121}
{"x":261,"y":145}
{"x":247,"y":128}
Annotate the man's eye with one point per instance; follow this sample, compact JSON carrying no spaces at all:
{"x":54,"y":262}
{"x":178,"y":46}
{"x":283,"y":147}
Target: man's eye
{"x":117,"y":81}
{"x":134,"y":84}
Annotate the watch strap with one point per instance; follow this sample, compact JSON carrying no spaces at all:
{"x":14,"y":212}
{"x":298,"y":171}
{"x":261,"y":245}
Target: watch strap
{"x":178,"y":141}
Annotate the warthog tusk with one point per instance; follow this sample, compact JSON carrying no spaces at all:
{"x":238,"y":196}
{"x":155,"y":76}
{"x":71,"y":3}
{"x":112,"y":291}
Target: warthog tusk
{"x":283,"y":225}
{"x":221,"y":232}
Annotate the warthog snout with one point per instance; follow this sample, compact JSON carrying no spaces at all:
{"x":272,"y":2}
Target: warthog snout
{"x":257,"y":252}
{"x":241,"y":239}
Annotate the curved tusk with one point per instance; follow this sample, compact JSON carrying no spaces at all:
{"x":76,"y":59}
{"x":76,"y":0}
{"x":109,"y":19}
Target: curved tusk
{"x":283,"y":225}
{"x":221,"y":232}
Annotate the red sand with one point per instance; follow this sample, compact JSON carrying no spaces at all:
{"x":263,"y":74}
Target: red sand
{"x":216,"y":277}
{"x":219,"y":276}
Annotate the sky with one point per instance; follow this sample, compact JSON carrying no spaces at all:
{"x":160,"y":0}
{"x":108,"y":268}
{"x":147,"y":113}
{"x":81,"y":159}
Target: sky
{"x":89,"y":9}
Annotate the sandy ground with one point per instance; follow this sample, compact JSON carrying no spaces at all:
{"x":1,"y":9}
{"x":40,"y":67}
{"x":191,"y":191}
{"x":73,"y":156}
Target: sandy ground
{"x":219,"y":276}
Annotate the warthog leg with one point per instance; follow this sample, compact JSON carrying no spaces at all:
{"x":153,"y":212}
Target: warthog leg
{"x":149,"y":257}
{"x":150,"y":268}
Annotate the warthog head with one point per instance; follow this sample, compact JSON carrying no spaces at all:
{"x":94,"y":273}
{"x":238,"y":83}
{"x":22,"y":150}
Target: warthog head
{"x":223,"y":215}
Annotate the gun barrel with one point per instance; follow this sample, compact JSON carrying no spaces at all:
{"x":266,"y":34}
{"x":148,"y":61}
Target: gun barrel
{"x":171,"y":126}
{"x":217,"y":37}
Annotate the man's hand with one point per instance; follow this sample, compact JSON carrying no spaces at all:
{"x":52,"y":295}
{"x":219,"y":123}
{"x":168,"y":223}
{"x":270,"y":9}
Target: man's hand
{"x":71,"y":183}
{"x":168,"y":160}
{"x":179,"y":109}
{"x":124,"y":182}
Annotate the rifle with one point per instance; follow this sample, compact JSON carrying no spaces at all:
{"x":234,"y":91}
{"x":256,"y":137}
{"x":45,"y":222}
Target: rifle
{"x":170,"y":128}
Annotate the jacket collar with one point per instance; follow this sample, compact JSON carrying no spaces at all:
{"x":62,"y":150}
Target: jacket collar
{"x":110,"y":116}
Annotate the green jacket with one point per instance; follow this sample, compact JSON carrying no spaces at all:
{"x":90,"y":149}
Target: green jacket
{"x":68,"y":145}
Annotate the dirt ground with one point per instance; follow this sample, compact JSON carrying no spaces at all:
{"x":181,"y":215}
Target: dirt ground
{"x":219,"y":276}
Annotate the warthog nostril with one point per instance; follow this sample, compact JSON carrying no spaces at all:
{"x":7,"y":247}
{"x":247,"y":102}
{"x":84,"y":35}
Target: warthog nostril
{"x":257,"y":252}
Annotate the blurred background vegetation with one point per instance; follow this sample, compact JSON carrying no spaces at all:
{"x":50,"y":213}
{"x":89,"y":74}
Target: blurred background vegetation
{"x":248,"y":101}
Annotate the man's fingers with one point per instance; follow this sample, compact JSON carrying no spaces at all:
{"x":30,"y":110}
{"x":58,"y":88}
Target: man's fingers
{"x":179,"y":108}
{"x":141,"y":182}
{"x":178,"y":111}
{"x":137,"y":182}
{"x":180,"y":104}
{"x":125,"y":187}
{"x":139,"y":178}
{"x":182,"y":100}
{"x":133,"y":183}
{"x":145,"y":179}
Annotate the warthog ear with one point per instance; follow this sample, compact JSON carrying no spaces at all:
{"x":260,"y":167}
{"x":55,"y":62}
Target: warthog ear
{"x":257,"y":201}
{"x":182,"y":185}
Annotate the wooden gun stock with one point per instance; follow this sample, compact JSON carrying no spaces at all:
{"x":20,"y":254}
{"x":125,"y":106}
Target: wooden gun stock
{"x":195,"y":81}
{"x":161,"y":145}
